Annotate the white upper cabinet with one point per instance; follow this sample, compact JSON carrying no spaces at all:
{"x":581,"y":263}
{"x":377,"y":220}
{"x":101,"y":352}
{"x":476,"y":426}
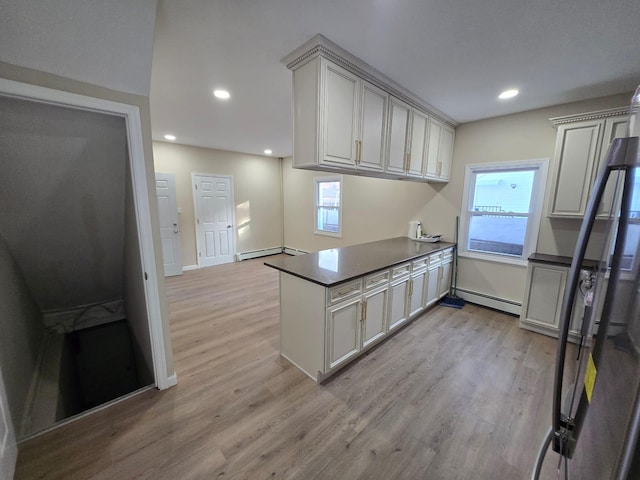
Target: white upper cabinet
{"x":439,"y":151}
{"x":346,"y":127}
{"x":581,"y":145}
{"x":417,"y":145}
{"x":340,"y":108}
{"x":351,"y":118}
{"x":373,"y":127}
{"x":614,"y":127}
{"x":398,"y":130}
{"x":577,"y":146}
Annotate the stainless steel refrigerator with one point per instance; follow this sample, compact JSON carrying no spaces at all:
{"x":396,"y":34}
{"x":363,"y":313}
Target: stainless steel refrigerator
{"x":596,"y":426}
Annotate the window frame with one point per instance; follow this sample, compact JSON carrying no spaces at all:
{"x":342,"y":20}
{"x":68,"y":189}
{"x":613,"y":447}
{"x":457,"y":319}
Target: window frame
{"x":317,"y":181}
{"x":534,"y":215}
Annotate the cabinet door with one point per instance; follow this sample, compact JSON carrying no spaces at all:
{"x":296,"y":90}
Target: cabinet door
{"x":445,"y":156}
{"x":433,"y":147}
{"x":343,"y":332}
{"x":397,"y":141}
{"x":418,"y":138}
{"x":398,"y":303}
{"x":339,"y":123}
{"x":614,"y":127}
{"x":445,"y":279}
{"x":416,"y":293}
{"x":373,"y":127}
{"x":577,"y":147}
{"x":544,"y":294}
{"x":431,"y":295}
{"x":374,"y":317}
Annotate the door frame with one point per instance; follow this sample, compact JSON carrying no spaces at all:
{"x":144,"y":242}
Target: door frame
{"x":195,"y":211}
{"x":135,"y":143}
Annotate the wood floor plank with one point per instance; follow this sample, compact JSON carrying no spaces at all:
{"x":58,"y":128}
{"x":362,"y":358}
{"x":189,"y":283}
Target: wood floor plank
{"x":456,"y":394}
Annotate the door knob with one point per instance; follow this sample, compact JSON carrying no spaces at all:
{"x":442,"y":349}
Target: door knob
{"x":175,"y":228}
{"x":229,"y":226}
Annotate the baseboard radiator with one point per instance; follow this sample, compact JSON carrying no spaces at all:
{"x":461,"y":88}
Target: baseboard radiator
{"x":263,"y":252}
{"x":507,"y":306}
{"x":293,"y":251}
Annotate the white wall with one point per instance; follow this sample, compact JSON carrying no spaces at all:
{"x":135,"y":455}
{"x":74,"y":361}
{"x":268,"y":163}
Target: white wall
{"x":520,"y":136}
{"x":21,"y":335}
{"x":372,"y":208}
{"x":257,"y":193}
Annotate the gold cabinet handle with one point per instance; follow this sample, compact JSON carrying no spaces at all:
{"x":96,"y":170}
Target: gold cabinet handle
{"x":439,"y":170}
{"x":407,"y":161}
{"x":358,"y":151}
{"x":410,"y":287}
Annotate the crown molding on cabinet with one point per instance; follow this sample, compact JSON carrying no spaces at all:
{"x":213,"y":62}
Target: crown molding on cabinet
{"x":579,"y":117}
{"x":320,"y":45}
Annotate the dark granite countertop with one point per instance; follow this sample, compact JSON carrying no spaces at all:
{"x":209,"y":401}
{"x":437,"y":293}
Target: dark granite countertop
{"x":338,"y":265}
{"x":560,"y":260}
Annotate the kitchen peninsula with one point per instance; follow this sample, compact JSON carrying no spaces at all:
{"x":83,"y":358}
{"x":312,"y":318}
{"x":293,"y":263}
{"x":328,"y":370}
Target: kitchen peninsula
{"x":337,"y":303}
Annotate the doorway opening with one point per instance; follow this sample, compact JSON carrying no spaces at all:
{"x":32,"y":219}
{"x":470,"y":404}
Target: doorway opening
{"x":76,"y":256}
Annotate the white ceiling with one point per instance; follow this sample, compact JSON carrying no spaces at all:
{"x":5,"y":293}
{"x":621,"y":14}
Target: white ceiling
{"x":455,"y":55}
{"x":108,"y":44}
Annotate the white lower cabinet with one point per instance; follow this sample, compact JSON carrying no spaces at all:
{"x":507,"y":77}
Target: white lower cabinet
{"x":355,"y":324}
{"x":543,"y":296}
{"x":398,"y":291}
{"x":445,"y":277}
{"x":322,"y":329}
{"x":416,"y":298}
{"x":374,"y":318}
{"x":433,"y":276}
{"x":343,"y":332}
{"x":543,"y":299}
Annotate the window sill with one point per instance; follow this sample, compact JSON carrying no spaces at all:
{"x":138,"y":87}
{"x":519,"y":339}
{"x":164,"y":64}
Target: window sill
{"x":328,"y":234}
{"x":495,"y":258}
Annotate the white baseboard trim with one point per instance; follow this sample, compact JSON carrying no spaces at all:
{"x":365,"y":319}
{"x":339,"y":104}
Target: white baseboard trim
{"x":293,"y":251}
{"x":263,"y":252}
{"x":186,"y":268}
{"x":83,"y":316}
{"x":496,"y":303}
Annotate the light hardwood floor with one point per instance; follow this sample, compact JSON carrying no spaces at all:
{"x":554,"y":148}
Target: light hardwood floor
{"x":457,"y":394}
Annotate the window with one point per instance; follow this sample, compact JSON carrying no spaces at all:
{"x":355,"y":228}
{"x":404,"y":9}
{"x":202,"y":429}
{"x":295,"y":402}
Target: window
{"x":328,"y":217}
{"x":501,"y":210}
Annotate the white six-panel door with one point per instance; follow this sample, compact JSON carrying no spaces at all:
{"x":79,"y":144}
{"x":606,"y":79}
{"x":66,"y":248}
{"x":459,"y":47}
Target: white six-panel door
{"x":215,"y":233}
{"x":169,"y":224}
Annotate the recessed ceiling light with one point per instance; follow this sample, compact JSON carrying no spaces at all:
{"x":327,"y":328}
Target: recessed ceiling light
{"x":223,"y":94}
{"x":268,"y":152}
{"x":170,"y":137}
{"x":508,"y":94}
